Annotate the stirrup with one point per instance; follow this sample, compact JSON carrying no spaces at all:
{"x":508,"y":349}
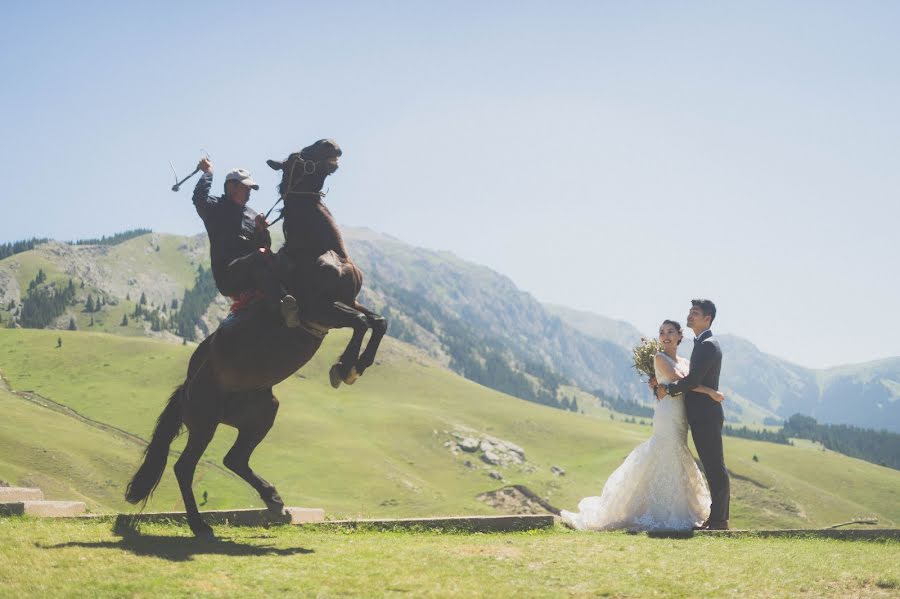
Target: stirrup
{"x":290,"y":311}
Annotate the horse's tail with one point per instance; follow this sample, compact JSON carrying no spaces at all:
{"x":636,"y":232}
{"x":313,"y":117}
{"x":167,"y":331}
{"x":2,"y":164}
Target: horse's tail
{"x":168,"y":425}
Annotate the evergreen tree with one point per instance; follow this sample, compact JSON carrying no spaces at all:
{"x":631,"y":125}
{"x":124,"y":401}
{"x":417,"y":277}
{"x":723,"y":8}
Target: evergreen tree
{"x":82,"y":283}
{"x":155,"y":324}
{"x":42,"y":305}
{"x":174,"y":305}
{"x":127,"y":297}
{"x":879,"y":447}
{"x":72,"y":326}
{"x":574,"y":406}
{"x":89,"y":304}
{"x":143,"y":300}
{"x":8,"y":249}
{"x":92,"y":322}
{"x":112,"y":239}
{"x":194,"y":304}
{"x":124,"y":321}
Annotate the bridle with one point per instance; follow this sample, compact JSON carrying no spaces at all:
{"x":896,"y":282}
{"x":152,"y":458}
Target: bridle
{"x":309,"y":167}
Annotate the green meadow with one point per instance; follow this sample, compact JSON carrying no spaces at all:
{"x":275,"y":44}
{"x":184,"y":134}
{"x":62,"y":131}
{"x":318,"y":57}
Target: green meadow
{"x":374,"y":449}
{"x":85,"y":558}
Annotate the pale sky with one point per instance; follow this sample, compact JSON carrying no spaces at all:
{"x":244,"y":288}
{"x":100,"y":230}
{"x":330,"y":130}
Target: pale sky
{"x":615,"y":157}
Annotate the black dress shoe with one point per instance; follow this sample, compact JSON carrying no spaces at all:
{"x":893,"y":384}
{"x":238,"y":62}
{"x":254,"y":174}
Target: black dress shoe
{"x":718,"y":525}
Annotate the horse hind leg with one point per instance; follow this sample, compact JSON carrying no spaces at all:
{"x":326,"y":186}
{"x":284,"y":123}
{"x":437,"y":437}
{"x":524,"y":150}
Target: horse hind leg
{"x":338,"y":315}
{"x":348,"y":365}
{"x":378,"y":324}
{"x":253,"y":419}
{"x":197,"y":442}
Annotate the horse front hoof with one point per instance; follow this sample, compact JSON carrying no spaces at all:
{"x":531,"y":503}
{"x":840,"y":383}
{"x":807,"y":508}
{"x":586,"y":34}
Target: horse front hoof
{"x":352,"y":376}
{"x":335,"y":376}
{"x":202,"y":531}
{"x":275,"y":504}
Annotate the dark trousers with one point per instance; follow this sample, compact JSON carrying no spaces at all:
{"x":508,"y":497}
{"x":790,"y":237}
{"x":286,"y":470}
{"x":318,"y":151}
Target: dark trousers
{"x":253,"y":271}
{"x":706,"y":418}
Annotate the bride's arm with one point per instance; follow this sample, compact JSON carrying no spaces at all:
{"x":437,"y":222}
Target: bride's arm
{"x":664,"y":368}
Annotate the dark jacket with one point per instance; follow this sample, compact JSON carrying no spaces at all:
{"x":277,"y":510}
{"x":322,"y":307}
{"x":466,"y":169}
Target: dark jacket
{"x":231,"y":228}
{"x":706,"y":365}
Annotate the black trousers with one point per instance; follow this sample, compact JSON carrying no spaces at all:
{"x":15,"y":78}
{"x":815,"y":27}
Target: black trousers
{"x":253,"y":271}
{"x":706,"y":418}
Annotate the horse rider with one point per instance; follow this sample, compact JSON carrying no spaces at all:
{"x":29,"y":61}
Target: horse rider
{"x":239,"y":243}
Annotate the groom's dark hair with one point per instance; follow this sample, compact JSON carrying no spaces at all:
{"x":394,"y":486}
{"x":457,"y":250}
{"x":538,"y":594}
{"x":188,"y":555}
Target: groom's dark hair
{"x":707,"y":307}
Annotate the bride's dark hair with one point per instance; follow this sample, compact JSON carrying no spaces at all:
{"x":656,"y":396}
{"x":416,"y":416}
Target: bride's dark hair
{"x":677,"y":328}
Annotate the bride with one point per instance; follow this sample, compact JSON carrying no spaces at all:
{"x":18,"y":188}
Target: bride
{"x":659,"y":486}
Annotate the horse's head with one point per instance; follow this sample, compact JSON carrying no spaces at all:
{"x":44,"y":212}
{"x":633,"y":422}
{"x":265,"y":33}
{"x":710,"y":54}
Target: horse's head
{"x":305,"y":171}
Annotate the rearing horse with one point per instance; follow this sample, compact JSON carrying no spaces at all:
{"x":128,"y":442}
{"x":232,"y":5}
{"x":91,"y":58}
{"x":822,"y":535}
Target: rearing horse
{"x":232,"y":372}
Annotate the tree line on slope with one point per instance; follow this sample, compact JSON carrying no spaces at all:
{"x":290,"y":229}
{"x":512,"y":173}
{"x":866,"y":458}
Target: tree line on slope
{"x":879,"y":447}
{"x":16,"y":247}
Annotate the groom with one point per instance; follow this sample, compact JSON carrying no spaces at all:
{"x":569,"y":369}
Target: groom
{"x":705,"y":415}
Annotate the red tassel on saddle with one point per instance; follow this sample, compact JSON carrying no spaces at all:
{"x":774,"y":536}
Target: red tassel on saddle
{"x":245,"y":298}
{"x":239,"y":302}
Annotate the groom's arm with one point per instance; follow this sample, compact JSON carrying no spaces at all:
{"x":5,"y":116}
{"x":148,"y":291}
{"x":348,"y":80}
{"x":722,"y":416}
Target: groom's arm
{"x":701,"y":362}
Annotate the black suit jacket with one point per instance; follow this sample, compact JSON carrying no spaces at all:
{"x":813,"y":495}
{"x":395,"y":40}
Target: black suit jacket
{"x":706,"y":365}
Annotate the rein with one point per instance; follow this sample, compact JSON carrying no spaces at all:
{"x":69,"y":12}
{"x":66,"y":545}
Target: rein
{"x":290,"y":187}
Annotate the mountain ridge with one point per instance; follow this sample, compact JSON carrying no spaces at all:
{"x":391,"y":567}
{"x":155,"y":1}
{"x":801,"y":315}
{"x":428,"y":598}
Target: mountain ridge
{"x":472,"y":320}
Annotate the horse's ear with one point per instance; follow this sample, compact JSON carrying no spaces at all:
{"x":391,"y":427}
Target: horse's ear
{"x":275,"y":165}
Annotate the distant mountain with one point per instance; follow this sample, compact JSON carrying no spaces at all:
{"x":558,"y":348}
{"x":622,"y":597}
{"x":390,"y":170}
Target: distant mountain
{"x":760,"y":386}
{"x":619,"y":332}
{"x":466,"y":315}
{"x":471,"y":319}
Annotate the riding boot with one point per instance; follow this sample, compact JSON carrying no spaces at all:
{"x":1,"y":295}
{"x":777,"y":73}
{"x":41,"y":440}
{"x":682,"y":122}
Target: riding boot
{"x":290,"y":311}
{"x":279,"y":301}
{"x":259,"y":269}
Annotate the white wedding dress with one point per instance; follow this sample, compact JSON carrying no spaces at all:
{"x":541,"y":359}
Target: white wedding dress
{"x":659,"y":486}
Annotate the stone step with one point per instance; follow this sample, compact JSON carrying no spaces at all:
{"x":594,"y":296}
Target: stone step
{"x":856,"y":534}
{"x":246,"y":517}
{"x":43,"y":509}
{"x":512,"y":523}
{"x":8,"y":494}
{"x":316,"y":517}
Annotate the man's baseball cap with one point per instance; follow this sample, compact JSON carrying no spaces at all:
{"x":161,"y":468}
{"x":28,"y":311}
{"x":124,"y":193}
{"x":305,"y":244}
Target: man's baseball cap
{"x":242,"y":175}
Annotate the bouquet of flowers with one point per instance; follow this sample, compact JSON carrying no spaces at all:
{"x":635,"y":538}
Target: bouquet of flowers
{"x":644,"y":354}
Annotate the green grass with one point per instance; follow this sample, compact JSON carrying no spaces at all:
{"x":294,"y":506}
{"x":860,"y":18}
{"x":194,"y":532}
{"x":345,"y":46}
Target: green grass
{"x":376,"y":449}
{"x":69,"y":459}
{"x":79,"y":558}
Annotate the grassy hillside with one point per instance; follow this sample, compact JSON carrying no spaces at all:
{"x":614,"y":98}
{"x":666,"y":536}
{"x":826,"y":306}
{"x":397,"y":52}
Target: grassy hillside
{"x":378,"y":448}
{"x":469,"y":318}
{"x":72,"y":460}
